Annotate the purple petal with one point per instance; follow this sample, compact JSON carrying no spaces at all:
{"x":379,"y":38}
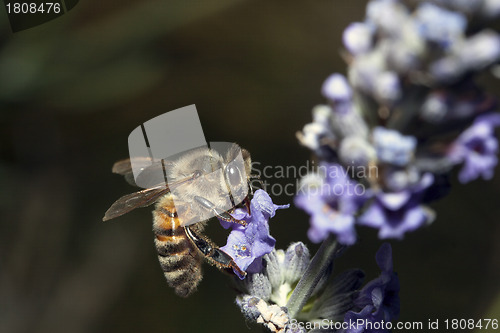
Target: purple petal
{"x":373,"y":217}
{"x":413,"y":219}
{"x":248,"y":244}
{"x":358,"y":37}
{"x":384,"y":257}
{"x":395,"y":201}
{"x":336,"y":88}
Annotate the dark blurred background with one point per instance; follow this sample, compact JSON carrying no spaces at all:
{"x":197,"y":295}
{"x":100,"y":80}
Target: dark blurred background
{"x":73,"y":89}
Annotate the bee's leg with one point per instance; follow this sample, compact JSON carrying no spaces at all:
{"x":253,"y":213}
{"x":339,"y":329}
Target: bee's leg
{"x":251,"y":183}
{"x":225,"y":216}
{"x":247,"y":205}
{"x":224,"y":260}
{"x":212,"y":253}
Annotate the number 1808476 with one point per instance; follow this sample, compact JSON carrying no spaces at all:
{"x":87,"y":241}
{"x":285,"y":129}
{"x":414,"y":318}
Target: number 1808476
{"x":33,"y":8}
{"x":462,"y":324}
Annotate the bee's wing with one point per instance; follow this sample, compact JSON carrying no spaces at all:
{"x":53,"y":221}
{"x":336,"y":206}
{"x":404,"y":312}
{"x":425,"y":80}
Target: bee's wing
{"x":135,"y":200}
{"x":150,"y":171}
{"x":124,"y":168}
{"x":142,"y":198}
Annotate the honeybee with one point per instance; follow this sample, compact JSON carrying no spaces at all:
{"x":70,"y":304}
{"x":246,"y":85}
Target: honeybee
{"x":199,"y":181}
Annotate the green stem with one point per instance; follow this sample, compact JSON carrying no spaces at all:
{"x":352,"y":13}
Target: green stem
{"x":314,"y":272}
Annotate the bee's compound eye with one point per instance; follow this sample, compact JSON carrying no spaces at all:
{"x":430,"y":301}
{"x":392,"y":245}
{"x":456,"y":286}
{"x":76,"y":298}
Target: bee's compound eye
{"x":233,"y":175}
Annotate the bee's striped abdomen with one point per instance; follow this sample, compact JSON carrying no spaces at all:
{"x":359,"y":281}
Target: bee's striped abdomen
{"x":179,"y":259}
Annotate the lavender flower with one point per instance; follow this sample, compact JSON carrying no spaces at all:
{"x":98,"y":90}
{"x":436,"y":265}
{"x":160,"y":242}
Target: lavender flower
{"x":439,"y":25}
{"x":386,"y":15}
{"x":409,"y":95}
{"x":356,"y":152}
{"x":392,"y":147}
{"x":247,"y":245}
{"x":336,"y":88}
{"x":477,"y":148}
{"x":396,"y":213}
{"x":263,"y":297}
{"x":379,"y":299}
{"x":317,"y":134}
{"x":331,"y":199}
{"x":358,"y":37}
{"x":482,"y":9}
{"x":481,"y":50}
{"x":399,"y":118}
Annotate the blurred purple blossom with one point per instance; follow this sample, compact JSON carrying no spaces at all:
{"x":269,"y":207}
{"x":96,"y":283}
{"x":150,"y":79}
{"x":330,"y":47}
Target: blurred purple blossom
{"x":479,"y":8}
{"x":387,"y":15}
{"x":379,"y":299}
{"x":396,"y":213}
{"x":317,"y":134}
{"x":358,"y":37}
{"x":331,"y":199}
{"x":480,"y":50}
{"x":439,"y":25}
{"x":336,"y":88}
{"x":387,"y":87}
{"x":392,"y":147}
{"x":410,"y":92}
{"x":477,"y":148}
